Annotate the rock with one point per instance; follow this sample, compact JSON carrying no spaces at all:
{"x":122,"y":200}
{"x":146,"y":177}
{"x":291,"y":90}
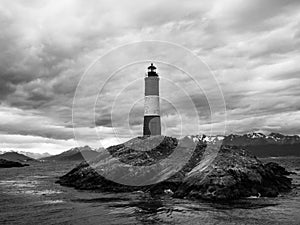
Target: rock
{"x":137,"y":153}
{"x":168,"y":192}
{"x":235,"y":174}
{"x":212,"y":172}
{"x":275,"y":168}
{"x":8,"y":164}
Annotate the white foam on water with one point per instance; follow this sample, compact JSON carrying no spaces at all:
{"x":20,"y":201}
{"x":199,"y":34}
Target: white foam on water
{"x":18,"y":183}
{"x":28,"y":187}
{"x":42,"y":192}
{"x":53,"y":201}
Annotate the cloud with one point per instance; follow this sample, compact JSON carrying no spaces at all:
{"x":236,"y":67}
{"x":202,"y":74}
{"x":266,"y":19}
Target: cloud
{"x":252,"y":48}
{"x":249,"y":16}
{"x":17,"y":121}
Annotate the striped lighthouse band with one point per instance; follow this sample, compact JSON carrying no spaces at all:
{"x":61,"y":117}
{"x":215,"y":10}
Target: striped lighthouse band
{"x":151,"y":86}
{"x":151,"y":107}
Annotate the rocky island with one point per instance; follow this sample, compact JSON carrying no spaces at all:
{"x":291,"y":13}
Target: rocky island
{"x":9,"y":164}
{"x":213,"y":171}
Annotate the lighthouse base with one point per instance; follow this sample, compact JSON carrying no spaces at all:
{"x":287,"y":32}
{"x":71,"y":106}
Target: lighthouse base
{"x":152,"y":125}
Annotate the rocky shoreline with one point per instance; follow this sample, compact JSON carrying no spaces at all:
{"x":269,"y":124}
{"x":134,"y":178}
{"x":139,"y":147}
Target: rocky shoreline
{"x":228,"y":173}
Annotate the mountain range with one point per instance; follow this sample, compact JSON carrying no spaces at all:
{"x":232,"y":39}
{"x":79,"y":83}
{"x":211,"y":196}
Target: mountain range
{"x":261,"y":145}
{"x":74,"y":154}
{"x":33,"y":155}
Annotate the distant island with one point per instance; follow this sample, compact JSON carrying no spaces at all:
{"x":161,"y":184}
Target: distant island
{"x":9,"y":164}
{"x":16,"y":157}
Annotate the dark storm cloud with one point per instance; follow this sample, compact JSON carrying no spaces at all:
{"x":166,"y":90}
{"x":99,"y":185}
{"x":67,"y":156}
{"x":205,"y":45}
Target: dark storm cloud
{"x":105,"y":122}
{"x":5,"y":88}
{"x":17,"y":121}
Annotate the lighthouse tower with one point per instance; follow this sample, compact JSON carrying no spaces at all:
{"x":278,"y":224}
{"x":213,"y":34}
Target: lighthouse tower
{"x":151,"y":108}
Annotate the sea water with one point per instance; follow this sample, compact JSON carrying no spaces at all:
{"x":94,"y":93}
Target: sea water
{"x":29,"y":195}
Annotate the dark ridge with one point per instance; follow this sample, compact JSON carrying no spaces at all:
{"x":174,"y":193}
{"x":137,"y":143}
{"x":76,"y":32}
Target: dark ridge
{"x":9,"y":164}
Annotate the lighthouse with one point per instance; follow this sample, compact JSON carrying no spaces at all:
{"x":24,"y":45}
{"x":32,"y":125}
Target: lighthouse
{"x":152,"y":124}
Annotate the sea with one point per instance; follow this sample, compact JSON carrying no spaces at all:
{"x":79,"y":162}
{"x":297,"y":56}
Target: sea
{"x":29,"y":195}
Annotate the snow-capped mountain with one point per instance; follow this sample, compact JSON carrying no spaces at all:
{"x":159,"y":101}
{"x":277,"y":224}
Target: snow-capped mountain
{"x":203,"y":138}
{"x":247,"y":139}
{"x":259,"y":144}
{"x":260,"y":139}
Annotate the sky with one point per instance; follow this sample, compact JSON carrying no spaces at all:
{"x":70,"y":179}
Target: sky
{"x":248,"y":50}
